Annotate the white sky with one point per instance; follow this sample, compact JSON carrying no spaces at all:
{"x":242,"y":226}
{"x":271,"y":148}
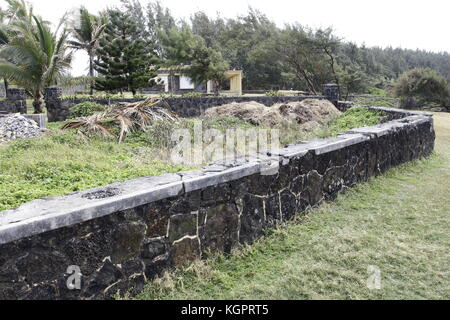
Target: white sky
{"x":399,"y":23}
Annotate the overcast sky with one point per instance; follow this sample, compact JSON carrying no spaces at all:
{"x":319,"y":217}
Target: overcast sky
{"x":399,"y":23}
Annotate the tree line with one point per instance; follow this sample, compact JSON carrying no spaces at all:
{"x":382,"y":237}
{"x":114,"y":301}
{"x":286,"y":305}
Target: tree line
{"x":127,"y":44}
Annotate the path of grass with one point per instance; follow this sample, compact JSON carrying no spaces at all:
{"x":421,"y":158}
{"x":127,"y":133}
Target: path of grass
{"x":398,"y":222}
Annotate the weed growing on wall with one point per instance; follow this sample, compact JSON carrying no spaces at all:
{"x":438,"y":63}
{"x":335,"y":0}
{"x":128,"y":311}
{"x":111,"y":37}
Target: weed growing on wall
{"x":355,"y":117}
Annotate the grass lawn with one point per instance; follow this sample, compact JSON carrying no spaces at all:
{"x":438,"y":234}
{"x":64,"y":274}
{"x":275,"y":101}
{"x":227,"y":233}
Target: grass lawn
{"x":398,"y":222}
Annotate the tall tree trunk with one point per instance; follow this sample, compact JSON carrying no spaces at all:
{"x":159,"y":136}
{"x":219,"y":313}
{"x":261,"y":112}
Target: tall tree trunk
{"x":37,"y":102}
{"x":91,"y":74}
{"x":216,"y":88}
{"x":333,"y":70}
{"x":5,"y":81}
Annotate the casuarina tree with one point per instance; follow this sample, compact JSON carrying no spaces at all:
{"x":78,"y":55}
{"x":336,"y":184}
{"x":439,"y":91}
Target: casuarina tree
{"x":124,"y":59}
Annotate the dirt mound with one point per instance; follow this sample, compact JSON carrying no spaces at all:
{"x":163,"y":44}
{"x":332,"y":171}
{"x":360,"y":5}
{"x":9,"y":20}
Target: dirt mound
{"x":301,"y":112}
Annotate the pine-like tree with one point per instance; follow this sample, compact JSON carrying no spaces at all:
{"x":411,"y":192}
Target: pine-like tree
{"x":124,"y":58}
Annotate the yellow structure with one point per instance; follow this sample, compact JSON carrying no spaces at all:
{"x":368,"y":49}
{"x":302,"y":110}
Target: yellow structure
{"x":176,"y":81}
{"x":235,"y":78}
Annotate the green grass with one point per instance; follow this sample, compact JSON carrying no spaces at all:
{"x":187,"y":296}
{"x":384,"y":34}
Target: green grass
{"x":398,"y":222}
{"x":63,"y":162}
{"x":85,"y":109}
{"x":355,"y":117}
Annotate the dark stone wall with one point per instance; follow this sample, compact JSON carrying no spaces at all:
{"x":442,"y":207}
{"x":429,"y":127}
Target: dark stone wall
{"x":15,"y":101}
{"x":58,"y":109}
{"x":122,"y":250}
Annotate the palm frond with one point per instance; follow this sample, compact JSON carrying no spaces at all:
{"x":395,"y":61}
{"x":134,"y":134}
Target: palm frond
{"x":34,"y":57}
{"x":126,"y":116}
{"x":96,"y":123}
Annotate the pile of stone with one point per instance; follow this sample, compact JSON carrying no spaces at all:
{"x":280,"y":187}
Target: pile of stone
{"x":15,"y":126}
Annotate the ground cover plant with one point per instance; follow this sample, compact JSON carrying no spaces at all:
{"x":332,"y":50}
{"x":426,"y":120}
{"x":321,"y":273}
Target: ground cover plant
{"x":354,"y":118}
{"x":62,"y":162}
{"x":85,"y":109}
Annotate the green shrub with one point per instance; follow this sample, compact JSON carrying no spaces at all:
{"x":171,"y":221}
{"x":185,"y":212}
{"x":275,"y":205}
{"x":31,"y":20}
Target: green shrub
{"x":85,"y":109}
{"x":355,"y":117}
{"x":377,"y":91}
{"x":418,"y":88}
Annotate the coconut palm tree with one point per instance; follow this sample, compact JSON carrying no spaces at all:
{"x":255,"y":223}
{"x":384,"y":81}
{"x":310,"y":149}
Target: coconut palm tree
{"x":16,"y":10}
{"x":35,"y":57}
{"x":4,"y":38}
{"x":87,"y":31}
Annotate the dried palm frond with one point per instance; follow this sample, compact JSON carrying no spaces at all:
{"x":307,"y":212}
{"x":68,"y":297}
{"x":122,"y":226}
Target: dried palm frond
{"x":127,"y":116}
{"x":96,"y":123}
{"x":144,"y":113}
{"x":125,"y":123}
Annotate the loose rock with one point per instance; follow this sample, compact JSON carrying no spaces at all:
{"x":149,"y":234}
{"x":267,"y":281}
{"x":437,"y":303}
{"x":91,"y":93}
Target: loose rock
{"x":16,"y":126}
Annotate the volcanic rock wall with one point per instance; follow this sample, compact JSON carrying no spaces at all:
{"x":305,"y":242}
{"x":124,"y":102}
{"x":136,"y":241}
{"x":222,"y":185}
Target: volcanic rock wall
{"x":124,"y":234}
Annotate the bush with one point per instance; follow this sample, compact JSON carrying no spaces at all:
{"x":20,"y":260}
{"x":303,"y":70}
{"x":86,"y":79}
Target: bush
{"x":377,"y":92}
{"x":355,"y":117}
{"x":421,"y":88}
{"x":85,"y":109}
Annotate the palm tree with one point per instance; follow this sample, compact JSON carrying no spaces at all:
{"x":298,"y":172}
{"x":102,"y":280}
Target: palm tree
{"x":4,"y":38}
{"x":35,"y":57}
{"x":87,"y":31}
{"x":17,"y":10}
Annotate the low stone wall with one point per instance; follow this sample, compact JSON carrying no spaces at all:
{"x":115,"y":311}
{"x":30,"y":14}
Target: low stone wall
{"x":127,"y":233}
{"x":194,"y":107}
{"x":15,"y":101}
{"x":58,"y":109}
